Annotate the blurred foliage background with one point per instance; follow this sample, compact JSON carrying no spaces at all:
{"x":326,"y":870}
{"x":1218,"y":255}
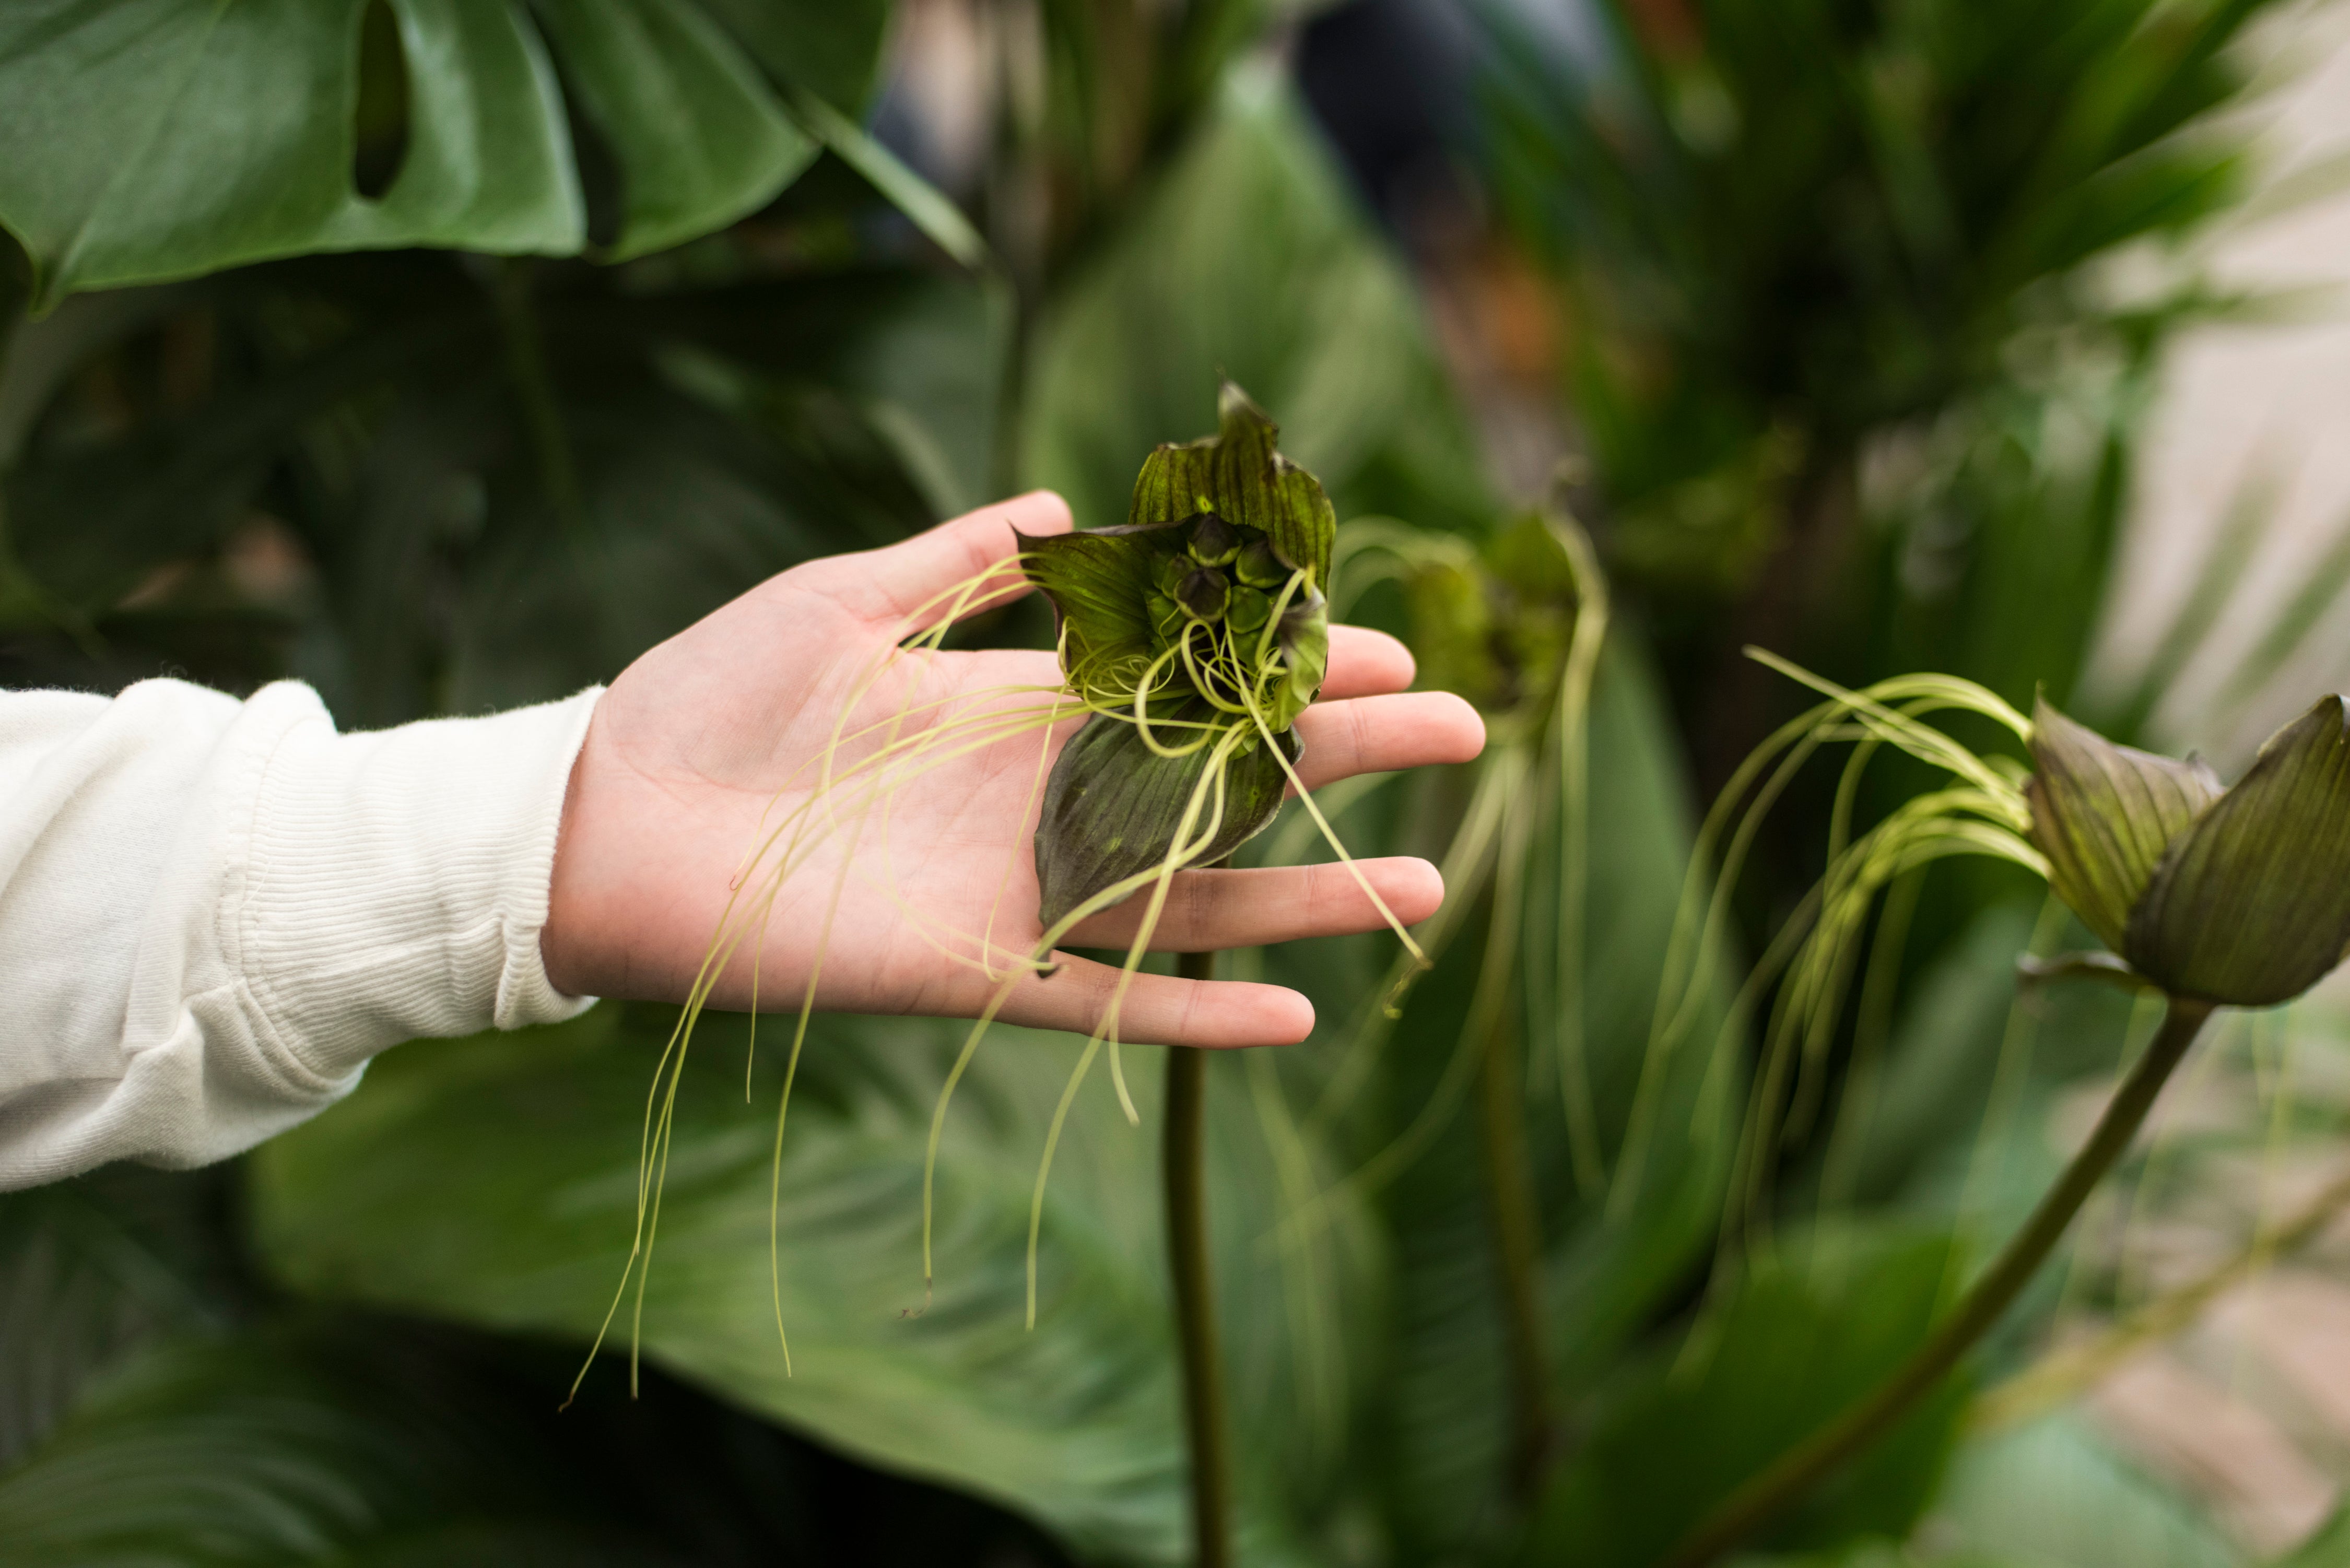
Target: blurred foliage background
{"x":446,"y":355}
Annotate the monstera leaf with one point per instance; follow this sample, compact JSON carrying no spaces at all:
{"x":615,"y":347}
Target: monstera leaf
{"x":709,"y":436}
{"x":158,"y":138}
{"x":494,"y":1181}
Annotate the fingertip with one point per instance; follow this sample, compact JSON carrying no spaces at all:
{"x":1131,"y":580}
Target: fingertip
{"x":1364,"y":662}
{"x":1459,"y":729}
{"x":1037,"y":512}
{"x":1249,"y":1015}
{"x":1289,"y":1021}
{"x":1419,"y":890}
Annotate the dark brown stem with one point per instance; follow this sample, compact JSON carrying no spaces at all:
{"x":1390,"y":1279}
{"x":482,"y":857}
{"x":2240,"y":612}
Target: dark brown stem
{"x":1517,"y":1245}
{"x":1760,"y":1500}
{"x":1182,"y":1164}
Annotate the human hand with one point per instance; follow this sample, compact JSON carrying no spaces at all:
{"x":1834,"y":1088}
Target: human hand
{"x":711,"y":734}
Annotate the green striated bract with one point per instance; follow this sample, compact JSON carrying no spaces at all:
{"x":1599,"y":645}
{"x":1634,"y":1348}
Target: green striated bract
{"x":1192,"y":632}
{"x":2238,"y":896}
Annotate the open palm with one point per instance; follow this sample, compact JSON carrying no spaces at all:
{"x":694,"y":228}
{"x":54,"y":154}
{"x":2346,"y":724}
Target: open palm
{"x":711,"y":739}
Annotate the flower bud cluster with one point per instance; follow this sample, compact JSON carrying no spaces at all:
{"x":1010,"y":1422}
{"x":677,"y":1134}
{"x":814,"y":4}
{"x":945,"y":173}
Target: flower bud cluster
{"x":1214,"y":594}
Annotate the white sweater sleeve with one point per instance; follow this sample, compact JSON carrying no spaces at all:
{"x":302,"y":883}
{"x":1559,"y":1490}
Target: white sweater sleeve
{"x":212,"y":913}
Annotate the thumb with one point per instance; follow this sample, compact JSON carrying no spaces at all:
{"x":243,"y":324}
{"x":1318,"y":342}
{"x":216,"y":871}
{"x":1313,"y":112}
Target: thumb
{"x":915,"y":576}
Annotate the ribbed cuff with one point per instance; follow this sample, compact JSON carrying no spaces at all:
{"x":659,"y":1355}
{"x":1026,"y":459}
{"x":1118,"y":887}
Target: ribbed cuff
{"x":395,"y":883}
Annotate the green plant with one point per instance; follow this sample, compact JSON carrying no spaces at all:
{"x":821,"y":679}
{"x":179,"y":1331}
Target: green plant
{"x":438,"y":480}
{"x":2211,"y":897}
{"x":1797,"y":243}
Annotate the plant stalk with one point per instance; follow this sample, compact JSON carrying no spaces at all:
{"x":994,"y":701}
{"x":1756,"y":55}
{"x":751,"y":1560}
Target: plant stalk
{"x":1182,"y":1163}
{"x":1757,"y":1502}
{"x":1517,"y":1246}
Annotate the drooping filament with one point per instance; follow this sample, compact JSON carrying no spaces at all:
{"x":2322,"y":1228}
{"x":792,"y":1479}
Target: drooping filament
{"x":833,"y":816}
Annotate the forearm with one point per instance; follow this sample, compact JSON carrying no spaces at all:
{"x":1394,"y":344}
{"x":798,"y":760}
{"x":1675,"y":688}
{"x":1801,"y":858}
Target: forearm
{"x":215,"y":913}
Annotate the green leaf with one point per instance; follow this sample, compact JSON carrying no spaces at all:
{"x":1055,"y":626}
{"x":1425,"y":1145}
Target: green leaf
{"x":1435,"y":1467}
{"x":2054,"y":1492}
{"x":1100,"y":581}
{"x":91,"y":1272}
{"x":712,"y":437}
{"x":494,"y":1180}
{"x":700,"y":138}
{"x":155,"y":139}
{"x":1113,"y":806}
{"x":159,"y":138}
{"x":296,"y":1446}
{"x":2105,"y":816}
{"x":830,"y":49}
{"x":1941,"y":1109}
{"x":2251,"y":906}
{"x":1797,"y":1341}
{"x":930,"y":208}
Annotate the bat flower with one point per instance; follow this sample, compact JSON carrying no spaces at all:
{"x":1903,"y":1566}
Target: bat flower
{"x":1194,"y":635}
{"x":2238,"y":895}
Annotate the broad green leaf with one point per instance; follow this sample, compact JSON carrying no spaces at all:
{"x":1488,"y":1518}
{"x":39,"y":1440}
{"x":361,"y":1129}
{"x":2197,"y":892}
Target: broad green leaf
{"x":493,"y":1181}
{"x":91,"y":1272}
{"x":2105,"y":816}
{"x":1435,"y":1469}
{"x":2054,"y":1492}
{"x":1916,"y":1129}
{"x":1877,"y":1555}
{"x":830,"y":49}
{"x":930,"y":208}
{"x":296,"y":1447}
{"x":161,"y":138}
{"x":1113,"y":806}
{"x":711,"y":437}
{"x":158,"y":138}
{"x":1100,"y":583}
{"x":1247,"y":261}
{"x":699,"y":138}
{"x":2252,"y":905}
{"x":1797,"y":1341}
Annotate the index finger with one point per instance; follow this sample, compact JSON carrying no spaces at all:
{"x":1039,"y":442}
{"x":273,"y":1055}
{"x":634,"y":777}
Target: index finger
{"x":916,"y":576}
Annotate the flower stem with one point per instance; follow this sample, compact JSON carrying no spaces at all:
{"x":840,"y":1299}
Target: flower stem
{"x":1517,"y":1245}
{"x":1796,"y":1472}
{"x":1181,"y":1163}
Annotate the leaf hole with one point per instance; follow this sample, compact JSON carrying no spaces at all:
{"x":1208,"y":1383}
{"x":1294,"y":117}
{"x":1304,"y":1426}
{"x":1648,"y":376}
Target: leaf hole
{"x":379,"y":118}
